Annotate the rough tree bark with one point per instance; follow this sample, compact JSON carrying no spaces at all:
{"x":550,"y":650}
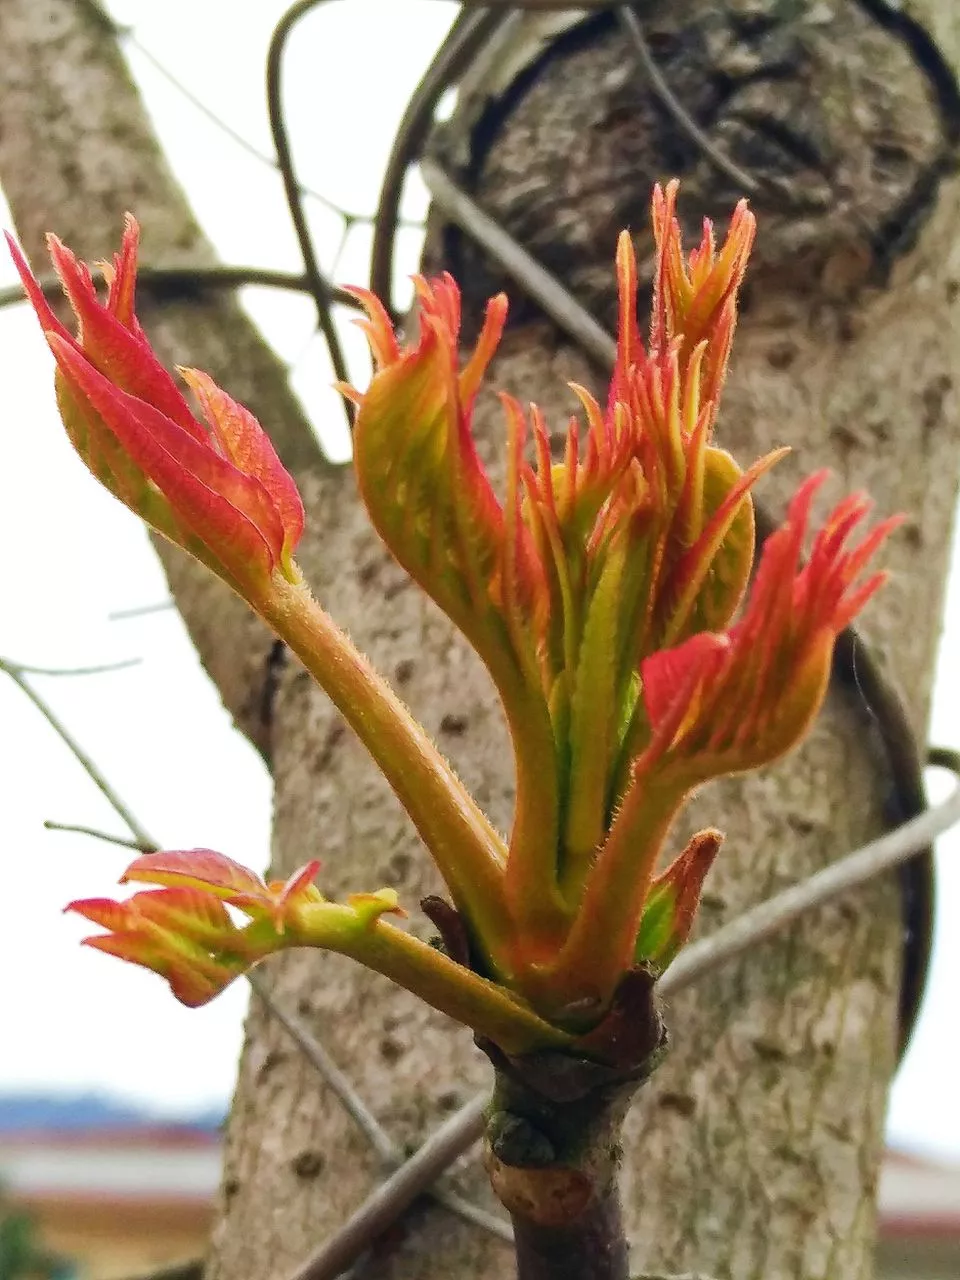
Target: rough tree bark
{"x":754,"y":1151}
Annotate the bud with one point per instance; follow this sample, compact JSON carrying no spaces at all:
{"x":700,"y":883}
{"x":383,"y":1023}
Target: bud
{"x":216,"y":489}
{"x":184,"y":932}
{"x":604,"y":592}
{"x":722,"y":703}
{"x":641,"y":536}
{"x":696,"y":298}
{"x":671,"y":904}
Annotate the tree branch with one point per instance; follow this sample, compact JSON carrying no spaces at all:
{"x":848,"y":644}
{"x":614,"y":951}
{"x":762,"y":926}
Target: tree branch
{"x":190,"y":280}
{"x":16,"y":674}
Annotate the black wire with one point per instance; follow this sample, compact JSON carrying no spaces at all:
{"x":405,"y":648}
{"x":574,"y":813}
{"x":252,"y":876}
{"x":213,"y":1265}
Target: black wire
{"x":319,"y":286}
{"x":469,"y":33}
{"x":633,"y":29}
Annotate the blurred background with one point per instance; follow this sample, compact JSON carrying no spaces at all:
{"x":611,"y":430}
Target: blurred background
{"x":111,"y":1094}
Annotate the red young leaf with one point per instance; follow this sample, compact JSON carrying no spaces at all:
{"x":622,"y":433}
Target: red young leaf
{"x":198,"y":868}
{"x":192,"y":913}
{"x":121,"y":354}
{"x":672,"y":900}
{"x":221,"y":494}
{"x":248,"y":446}
{"x":226,"y":509}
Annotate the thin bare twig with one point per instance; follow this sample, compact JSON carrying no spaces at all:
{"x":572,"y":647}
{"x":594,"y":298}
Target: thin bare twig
{"x":471,"y":1212}
{"x":176,"y":281}
{"x":99,"y":669}
{"x":122,"y":842}
{"x":317,"y":1056}
{"x":140,"y":610}
{"x":386,"y":1149}
{"x":86,"y":763}
{"x":631,"y":24}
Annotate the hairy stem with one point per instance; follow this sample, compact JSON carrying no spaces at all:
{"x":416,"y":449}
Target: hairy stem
{"x":461,"y":840}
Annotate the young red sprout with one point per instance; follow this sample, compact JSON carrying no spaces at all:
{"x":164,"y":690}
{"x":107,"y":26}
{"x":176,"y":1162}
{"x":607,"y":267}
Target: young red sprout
{"x":184,"y":932}
{"x":216,"y":489}
{"x":721,"y":703}
{"x":606,"y":594}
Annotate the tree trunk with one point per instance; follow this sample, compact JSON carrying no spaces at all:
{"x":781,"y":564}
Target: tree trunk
{"x":753,"y":1152}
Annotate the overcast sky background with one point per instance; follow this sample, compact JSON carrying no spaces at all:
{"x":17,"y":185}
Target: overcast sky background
{"x":70,"y":557}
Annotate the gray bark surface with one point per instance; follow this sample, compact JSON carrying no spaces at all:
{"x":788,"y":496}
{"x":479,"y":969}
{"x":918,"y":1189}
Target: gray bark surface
{"x":754,"y":1151}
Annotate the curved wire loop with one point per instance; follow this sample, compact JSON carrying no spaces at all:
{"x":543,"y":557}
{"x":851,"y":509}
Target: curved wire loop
{"x":321,"y":289}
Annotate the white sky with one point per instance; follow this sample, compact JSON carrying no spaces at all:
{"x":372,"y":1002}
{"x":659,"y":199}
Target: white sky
{"x":75,"y":1019}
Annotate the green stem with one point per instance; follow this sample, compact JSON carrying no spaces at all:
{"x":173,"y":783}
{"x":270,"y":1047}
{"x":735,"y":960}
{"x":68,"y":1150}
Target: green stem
{"x":600,"y":946}
{"x":461,"y":840}
{"x":541,"y":917}
{"x":450,"y":987}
